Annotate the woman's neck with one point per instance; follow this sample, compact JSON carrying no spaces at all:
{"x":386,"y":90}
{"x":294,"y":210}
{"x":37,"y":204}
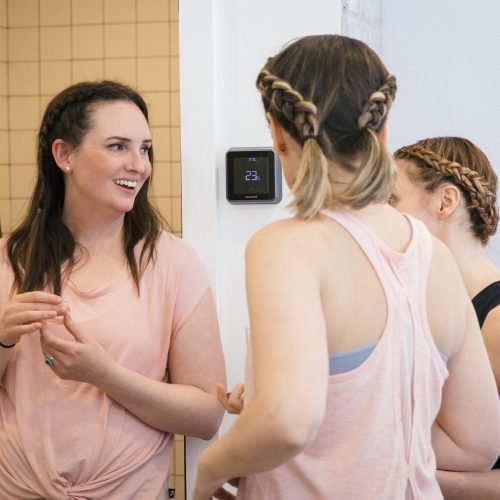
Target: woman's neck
{"x":95,"y":233}
{"x":476,"y":268}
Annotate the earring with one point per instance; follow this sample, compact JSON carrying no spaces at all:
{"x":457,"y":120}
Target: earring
{"x":68,"y":169}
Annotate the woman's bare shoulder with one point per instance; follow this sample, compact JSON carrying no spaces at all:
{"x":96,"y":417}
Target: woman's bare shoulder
{"x":292,"y":230}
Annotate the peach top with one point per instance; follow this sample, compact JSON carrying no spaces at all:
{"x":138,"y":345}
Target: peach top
{"x":62,"y":439}
{"x":375,"y":440}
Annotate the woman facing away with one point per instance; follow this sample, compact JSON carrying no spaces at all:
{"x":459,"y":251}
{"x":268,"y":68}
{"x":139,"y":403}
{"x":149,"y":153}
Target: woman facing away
{"x":108,"y":334}
{"x":365,"y":349}
{"x":449,"y":183}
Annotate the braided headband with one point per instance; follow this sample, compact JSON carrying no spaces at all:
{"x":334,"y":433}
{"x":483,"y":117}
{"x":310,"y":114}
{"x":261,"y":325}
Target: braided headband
{"x":378,"y":104}
{"x":76,"y":98}
{"x":471,"y":180}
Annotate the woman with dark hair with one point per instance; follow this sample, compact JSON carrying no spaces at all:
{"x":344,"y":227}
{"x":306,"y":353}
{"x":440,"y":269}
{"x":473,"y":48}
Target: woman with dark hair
{"x":108,"y":333}
{"x":449,"y":183}
{"x":360,"y":317}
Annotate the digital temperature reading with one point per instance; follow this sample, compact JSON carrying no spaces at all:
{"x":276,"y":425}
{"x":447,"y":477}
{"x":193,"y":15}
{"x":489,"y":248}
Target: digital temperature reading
{"x":253,"y":175}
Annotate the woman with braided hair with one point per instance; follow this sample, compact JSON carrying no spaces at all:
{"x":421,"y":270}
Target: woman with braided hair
{"x":356,"y":314}
{"x":449,"y":183}
{"x":102,"y":313}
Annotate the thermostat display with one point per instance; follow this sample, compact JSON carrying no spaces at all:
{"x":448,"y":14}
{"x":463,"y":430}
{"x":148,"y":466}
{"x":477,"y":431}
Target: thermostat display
{"x":253,"y":175}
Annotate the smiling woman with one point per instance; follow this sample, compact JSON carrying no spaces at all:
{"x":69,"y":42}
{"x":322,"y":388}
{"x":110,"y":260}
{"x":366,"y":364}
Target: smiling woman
{"x":111,"y":165}
{"x":119,"y":368}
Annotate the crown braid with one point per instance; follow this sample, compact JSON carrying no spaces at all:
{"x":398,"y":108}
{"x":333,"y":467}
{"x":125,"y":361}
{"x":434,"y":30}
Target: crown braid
{"x":481,"y":196}
{"x":63,"y":103}
{"x":290,"y":103}
{"x":376,"y":107}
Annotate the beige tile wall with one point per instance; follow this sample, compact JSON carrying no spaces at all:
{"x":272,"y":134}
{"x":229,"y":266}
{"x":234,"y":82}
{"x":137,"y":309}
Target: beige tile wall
{"x":46,"y":45}
{"x":4,"y":121}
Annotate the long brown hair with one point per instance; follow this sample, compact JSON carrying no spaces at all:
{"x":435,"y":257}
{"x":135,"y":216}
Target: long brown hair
{"x":455,"y":160}
{"x":332,"y":94}
{"x":41,"y":244}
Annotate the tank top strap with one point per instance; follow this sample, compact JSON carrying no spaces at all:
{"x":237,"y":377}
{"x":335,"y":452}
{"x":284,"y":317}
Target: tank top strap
{"x":387,"y":261}
{"x":370,"y":244}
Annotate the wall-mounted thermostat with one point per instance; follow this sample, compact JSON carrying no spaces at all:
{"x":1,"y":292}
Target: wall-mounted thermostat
{"x":253,"y":175}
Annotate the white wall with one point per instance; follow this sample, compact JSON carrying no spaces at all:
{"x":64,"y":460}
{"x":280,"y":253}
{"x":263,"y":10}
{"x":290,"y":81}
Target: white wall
{"x":223,"y":45}
{"x":445,"y":56}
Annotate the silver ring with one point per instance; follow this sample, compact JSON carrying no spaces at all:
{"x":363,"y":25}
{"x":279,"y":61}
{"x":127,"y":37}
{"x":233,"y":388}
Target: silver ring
{"x":49,"y":361}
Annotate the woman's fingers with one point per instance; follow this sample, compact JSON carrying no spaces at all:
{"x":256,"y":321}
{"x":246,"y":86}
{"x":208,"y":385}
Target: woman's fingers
{"x":27,"y":317}
{"x":237,"y":392}
{"x":42,"y":297}
{"x":221,"y":393}
{"x":25,"y":312}
{"x":236,"y":399}
{"x":23,"y":329}
{"x":231,"y":401}
{"x":37,"y":306}
{"x":223,"y":397}
{"x":53,"y":341}
{"x":72,"y":328}
{"x":20,"y":323}
{"x":17,"y":313}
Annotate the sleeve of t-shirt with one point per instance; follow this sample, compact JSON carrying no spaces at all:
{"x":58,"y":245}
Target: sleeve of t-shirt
{"x":192,"y":283}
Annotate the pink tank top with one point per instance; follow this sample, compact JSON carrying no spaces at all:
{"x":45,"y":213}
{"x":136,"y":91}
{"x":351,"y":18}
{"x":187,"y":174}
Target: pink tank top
{"x":375,"y":440}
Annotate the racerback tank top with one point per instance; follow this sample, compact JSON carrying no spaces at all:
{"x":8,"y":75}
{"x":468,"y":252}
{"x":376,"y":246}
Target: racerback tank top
{"x":375,"y":440}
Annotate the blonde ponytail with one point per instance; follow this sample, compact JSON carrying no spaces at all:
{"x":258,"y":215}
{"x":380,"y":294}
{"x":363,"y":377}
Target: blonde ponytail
{"x":312,"y":187}
{"x":376,"y":175}
{"x":375,"y":179}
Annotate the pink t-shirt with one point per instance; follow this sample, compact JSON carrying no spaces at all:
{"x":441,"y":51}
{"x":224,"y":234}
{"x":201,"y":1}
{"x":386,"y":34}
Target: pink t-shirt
{"x":375,"y":440}
{"x":63,"y":439}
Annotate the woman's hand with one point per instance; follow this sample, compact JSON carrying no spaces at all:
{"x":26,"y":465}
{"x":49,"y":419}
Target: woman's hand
{"x":231,"y":401}
{"x":24,"y":313}
{"x":81,"y":359}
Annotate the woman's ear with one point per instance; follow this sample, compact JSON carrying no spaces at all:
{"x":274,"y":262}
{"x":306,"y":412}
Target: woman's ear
{"x":450,"y":197}
{"x":277,"y":134}
{"x":61,"y":153}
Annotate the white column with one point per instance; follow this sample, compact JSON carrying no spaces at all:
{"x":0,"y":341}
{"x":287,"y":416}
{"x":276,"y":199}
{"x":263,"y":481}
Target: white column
{"x":362,"y":19}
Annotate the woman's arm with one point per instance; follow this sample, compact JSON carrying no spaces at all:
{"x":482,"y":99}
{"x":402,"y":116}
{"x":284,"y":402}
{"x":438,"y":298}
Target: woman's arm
{"x":470,"y":485}
{"x":466,"y":434}
{"x":187,"y":404}
{"x":290,"y":363}
{"x":491,"y":336}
